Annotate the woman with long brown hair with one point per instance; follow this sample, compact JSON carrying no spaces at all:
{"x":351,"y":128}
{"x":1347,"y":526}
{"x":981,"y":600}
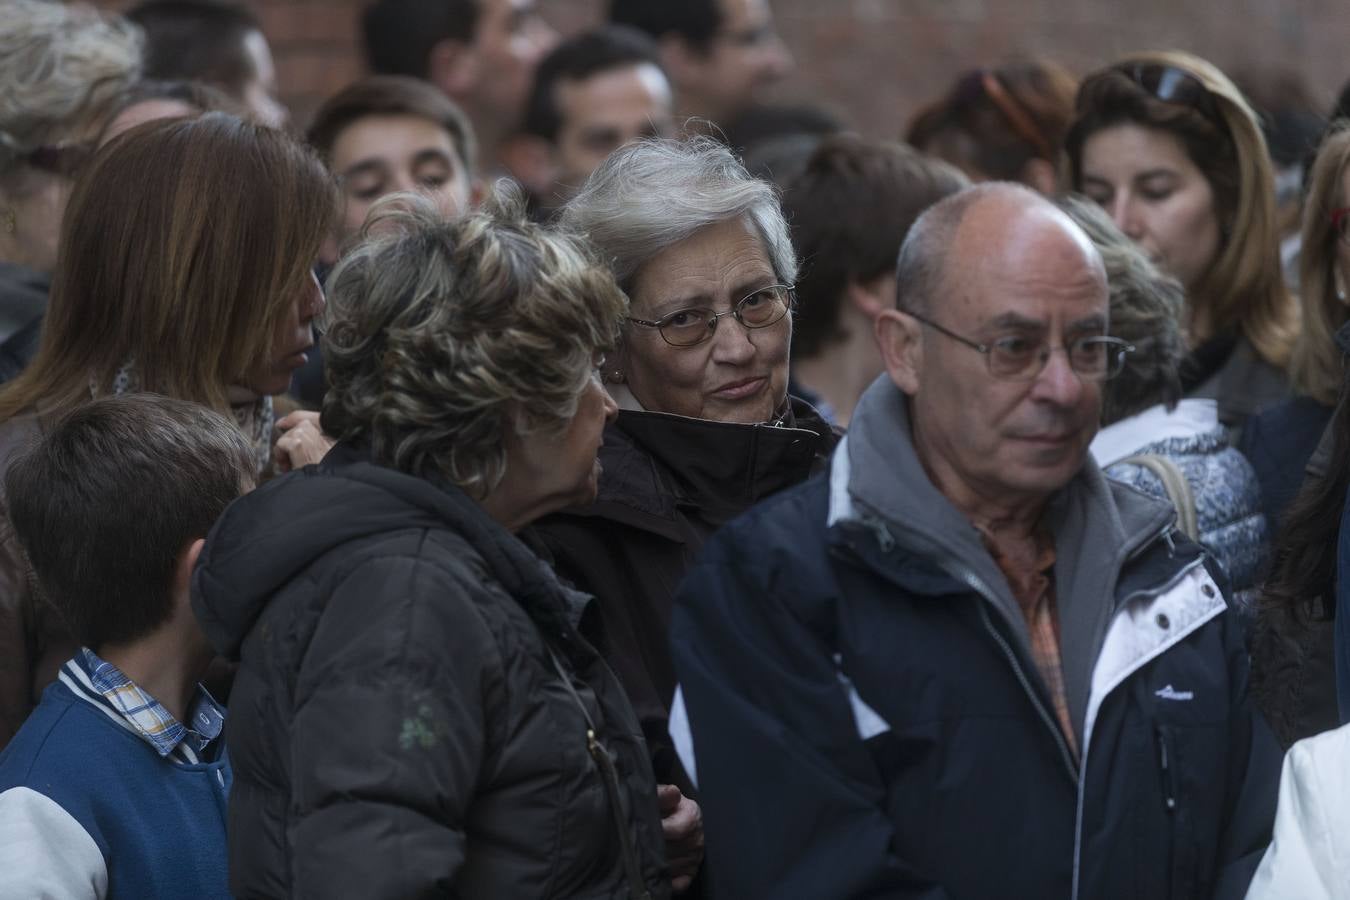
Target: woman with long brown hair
{"x":184,"y":269}
{"x":1293,"y":675}
{"x":1168,"y":146}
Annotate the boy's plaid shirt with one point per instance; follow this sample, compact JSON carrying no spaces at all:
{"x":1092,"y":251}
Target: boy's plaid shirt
{"x":106,"y":686}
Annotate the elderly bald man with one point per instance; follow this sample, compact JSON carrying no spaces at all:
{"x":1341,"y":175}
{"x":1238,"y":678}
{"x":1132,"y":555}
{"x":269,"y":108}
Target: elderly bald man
{"x":965,"y":665}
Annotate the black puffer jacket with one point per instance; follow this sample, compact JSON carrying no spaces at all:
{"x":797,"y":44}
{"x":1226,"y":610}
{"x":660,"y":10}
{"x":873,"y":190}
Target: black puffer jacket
{"x":669,"y":481}
{"x":399,"y":726}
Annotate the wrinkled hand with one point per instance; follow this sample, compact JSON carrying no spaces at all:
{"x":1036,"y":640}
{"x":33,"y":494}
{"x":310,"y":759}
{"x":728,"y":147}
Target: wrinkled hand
{"x":682,"y":824}
{"x":302,"y":441}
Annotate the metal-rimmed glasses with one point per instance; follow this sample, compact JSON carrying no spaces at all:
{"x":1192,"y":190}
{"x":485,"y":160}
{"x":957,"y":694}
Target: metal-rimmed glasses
{"x":693,"y":325}
{"x":1019,"y":358}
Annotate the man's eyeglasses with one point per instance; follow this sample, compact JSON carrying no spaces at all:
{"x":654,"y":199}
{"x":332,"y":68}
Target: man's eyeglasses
{"x":1018,"y":358}
{"x":1173,"y":85}
{"x":694,"y":325}
{"x":61,"y":159}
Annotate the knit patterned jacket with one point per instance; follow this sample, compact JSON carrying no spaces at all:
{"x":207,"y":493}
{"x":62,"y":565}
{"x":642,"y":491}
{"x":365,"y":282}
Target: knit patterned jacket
{"x":1227,"y":495}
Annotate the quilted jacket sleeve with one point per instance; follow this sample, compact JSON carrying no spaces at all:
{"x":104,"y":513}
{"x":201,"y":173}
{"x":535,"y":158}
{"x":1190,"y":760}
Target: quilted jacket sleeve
{"x":391,"y":697}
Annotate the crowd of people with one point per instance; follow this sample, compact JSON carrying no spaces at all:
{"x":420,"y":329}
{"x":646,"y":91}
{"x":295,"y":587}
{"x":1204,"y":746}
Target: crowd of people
{"x":560,"y":472}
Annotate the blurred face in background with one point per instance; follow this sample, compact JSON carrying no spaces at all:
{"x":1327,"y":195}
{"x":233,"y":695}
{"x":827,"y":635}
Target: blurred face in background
{"x":742,"y":58}
{"x":601,"y":113}
{"x":381,"y":154}
{"x":510,"y":40}
{"x":1156,"y":195}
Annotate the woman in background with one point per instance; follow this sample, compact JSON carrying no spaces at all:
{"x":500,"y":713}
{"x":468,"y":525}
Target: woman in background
{"x":185,"y":270}
{"x":1166,"y":144}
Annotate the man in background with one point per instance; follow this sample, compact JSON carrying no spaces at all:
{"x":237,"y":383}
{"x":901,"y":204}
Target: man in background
{"x":720,"y":54}
{"x":481,"y":53}
{"x":594,"y":93}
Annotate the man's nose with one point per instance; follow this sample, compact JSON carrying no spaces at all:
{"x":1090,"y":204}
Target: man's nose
{"x":1058,"y":383}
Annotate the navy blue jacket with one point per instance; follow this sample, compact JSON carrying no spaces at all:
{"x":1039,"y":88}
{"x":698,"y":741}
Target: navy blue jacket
{"x":867,"y":720}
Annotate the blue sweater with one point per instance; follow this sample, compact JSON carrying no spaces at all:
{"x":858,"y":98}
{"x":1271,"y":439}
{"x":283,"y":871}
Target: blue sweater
{"x":88,"y":808}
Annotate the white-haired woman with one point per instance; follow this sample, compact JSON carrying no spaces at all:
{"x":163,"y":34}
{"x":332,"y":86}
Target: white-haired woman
{"x":62,"y":67}
{"x":415,"y":713}
{"x":706,"y":426}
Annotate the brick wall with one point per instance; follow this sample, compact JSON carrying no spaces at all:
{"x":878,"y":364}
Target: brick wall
{"x":874,"y":61}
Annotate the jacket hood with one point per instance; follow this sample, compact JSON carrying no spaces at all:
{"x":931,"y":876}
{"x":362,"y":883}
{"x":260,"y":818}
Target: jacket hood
{"x":1097,"y":525}
{"x":654,"y":462}
{"x":266,"y":538}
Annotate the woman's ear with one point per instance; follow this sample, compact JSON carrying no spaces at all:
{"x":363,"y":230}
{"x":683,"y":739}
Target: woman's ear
{"x":900,"y":340}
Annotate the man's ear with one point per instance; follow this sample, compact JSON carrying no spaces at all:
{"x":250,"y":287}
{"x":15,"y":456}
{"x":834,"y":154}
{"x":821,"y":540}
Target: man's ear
{"x":900,"y":338}
{"x":529,"y":159}
{"x":453,"y":66}
{"x":182,"y":571}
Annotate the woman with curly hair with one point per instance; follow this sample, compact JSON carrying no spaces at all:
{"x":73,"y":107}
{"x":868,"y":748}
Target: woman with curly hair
{"x":416,"y":712}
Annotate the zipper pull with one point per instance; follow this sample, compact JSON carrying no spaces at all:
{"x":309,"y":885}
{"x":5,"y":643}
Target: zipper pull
{"x":1169,"y":784}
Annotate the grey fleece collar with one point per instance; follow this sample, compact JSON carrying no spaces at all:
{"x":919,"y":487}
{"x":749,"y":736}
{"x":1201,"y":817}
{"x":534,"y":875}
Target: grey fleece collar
{"x":1097,"y":527}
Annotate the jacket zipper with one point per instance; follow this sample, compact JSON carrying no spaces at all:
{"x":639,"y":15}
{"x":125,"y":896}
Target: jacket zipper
{"x":1166,"y":535}
{"x":609,"y":777}
{"x":1065,"y":754}
{"x":886,"y":542}
{"x":1169,"y":784}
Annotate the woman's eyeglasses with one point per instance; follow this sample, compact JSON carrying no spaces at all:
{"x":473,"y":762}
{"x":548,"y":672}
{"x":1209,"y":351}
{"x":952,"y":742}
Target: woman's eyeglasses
{"x":694,"y":325}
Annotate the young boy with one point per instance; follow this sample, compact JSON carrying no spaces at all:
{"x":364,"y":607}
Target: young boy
{"x":116,"y":784}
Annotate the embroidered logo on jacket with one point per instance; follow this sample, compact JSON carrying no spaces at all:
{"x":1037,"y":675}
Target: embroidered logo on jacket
{"x":1171,"y":693}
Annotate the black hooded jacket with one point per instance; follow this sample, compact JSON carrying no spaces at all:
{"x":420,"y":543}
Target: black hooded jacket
{"x":400,"y":726}
{"x":669,"y":482}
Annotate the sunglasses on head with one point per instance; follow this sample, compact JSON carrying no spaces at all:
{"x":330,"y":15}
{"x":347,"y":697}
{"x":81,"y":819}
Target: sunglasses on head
{"x":1173,"y":85}
{"x":984,"y":83}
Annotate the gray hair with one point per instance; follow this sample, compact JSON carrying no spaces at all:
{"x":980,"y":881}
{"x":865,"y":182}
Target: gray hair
{"x":653,"y":194}
{"x":1145,"y":311}
{"x":442,"y":334}
{"x":60,"y":65}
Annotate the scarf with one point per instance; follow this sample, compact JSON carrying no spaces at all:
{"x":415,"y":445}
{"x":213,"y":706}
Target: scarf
{"x":252,"y":414}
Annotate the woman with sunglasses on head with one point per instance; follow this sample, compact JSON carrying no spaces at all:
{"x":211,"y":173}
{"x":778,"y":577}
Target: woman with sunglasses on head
{"x":706,"y":426}
{"x":1005,"y":123}
{"x":1168,"y":146}
{"x":62,"y":68}
{"x":185,"y":270}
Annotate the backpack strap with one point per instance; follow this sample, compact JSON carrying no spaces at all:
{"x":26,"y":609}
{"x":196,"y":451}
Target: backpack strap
{"x":1175,"y":484}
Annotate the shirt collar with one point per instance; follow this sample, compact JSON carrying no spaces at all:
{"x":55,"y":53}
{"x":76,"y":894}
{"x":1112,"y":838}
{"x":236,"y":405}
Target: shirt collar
{"x":145,"y":715}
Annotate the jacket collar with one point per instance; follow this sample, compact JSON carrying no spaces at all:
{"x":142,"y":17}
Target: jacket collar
{"x":1190,"y":418}
{"x":656,"y":464}
{"x":878,"y":481}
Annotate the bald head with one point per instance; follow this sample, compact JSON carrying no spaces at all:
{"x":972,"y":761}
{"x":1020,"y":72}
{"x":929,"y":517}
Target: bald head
{"x":994,"y":225}
{"x":999,"y":342}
